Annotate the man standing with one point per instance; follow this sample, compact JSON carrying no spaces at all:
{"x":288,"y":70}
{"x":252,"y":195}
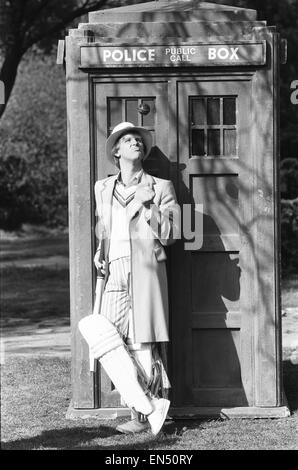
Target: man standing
{"x":138,"y":215}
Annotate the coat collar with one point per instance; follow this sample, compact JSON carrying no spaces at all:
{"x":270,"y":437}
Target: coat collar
{"x":135,"y":180}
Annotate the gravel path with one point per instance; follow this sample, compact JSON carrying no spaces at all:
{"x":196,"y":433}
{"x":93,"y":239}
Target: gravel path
{"x":49,"y":337}
{"x":42,"y":342}
{"x":51,"y":261}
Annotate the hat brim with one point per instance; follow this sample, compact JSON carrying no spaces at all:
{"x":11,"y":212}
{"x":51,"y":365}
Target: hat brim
{"x":112,"y":139}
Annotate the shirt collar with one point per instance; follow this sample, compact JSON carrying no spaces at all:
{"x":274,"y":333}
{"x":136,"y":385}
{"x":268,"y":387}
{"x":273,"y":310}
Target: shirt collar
{"x":135,"y":179}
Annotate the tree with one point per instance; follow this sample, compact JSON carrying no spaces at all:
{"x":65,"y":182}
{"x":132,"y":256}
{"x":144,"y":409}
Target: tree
{"x":24,"y":23}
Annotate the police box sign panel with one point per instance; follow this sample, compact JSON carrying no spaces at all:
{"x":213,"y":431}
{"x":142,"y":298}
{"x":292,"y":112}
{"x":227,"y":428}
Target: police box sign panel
{"x":173,"y":55}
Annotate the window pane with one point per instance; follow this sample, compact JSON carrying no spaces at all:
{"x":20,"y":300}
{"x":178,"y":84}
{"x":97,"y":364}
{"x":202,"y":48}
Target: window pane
{"x":198,"y":112}
{"x":115,"y":112}
{"x":229,"y":141}
{"x":132,"y":111}
{"x":148,"y":119}
{"x":213,"y":142}
{"x":229,"y":111}
{"x":197,"y":142}
{"x":213,"y":111}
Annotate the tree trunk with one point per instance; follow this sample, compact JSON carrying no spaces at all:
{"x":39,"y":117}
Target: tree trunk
{"x":9,"y":71}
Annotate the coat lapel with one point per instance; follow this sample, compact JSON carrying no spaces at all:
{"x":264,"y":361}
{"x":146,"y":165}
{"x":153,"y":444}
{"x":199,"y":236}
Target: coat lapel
{"x":148,"y":179}
{"x":107,"y":200}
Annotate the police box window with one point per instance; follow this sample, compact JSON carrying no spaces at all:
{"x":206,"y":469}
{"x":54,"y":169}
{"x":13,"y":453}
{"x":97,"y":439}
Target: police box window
{"x":140,"y":111}
{"x":213,"y":126}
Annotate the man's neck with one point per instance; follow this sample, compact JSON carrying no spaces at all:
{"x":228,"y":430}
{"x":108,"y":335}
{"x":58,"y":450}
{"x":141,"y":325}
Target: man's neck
{"x":129,"y":171}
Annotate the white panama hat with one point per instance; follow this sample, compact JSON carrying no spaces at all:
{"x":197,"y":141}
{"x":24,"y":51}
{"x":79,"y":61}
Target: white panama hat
{"x":124,"y":128}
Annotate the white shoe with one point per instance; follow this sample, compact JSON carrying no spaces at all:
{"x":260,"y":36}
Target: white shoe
{"x":158,"y":416}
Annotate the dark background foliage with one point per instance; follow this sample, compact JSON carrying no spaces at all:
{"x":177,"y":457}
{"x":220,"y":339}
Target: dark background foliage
{"x":33,"y":172}
{"x":33,"y":141}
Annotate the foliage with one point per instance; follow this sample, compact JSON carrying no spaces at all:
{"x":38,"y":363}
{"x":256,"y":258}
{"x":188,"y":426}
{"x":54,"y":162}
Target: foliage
{"x":42,"y":22}
{"x":289,"y":213}
{"x":31,"y":21}
{"x":289,"y":178}
{"x":289,"y":235}
{"x":33,"y":174}
{"x":24,"y":24}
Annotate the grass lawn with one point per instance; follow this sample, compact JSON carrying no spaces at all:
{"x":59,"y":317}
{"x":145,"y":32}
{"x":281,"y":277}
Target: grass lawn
{"x":290,"y":291}
{"x":36,"y":390}
{"x":33,"y":293}
{"x":36,"y":394}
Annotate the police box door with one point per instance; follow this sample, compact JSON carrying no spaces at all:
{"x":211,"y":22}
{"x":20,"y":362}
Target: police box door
{"x":144,"y":103}
{"x":212,"y":287}
{"x":211,"y":325}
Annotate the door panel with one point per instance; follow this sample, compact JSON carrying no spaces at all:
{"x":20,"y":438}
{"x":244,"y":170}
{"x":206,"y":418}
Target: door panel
{"x":215,"y":333}
{"x":143,"y":104}
{"x":219,"y":196}
{"x":213,"y":368}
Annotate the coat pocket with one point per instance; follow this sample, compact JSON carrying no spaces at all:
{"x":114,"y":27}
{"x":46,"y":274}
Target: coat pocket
{"x":160,"y":253}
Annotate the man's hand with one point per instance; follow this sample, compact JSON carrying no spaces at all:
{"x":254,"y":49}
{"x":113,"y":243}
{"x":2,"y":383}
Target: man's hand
{"x":99,"y":264}
{"x":144,"y":195}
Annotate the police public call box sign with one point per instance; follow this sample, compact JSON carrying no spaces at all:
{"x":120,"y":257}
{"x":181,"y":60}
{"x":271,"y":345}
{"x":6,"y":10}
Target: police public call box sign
{"x":173,"y":55}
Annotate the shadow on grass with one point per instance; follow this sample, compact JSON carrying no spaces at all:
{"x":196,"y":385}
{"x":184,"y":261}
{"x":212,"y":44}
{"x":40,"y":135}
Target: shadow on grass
{"x":33,"y":295}
{"x":290,"y":381}
{"x":78,"y":438}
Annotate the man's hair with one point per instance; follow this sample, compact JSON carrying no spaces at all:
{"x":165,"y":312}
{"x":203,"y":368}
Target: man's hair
{"x":116,"y":161}
{"x":116,"y":146}
{"x":115,"y":149}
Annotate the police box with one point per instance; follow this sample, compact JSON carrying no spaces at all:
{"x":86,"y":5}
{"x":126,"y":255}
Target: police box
{"x":203,"y":78}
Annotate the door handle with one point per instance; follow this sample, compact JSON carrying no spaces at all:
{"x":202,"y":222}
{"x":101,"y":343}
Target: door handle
{"x":143,"y":108}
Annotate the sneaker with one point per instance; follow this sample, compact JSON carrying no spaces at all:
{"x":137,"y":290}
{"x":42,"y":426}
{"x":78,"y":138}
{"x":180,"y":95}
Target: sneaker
{"x":158,"y":416}
{"x":132,"y":427}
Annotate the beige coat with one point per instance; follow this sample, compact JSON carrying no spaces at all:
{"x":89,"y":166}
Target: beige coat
{"x":148,"y":266}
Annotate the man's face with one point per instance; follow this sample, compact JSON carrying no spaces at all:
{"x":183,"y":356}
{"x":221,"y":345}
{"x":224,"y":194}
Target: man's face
{"x":131,"y":147}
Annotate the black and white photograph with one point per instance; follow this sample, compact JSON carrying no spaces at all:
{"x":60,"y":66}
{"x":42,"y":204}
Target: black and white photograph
{"x":149,"y":227}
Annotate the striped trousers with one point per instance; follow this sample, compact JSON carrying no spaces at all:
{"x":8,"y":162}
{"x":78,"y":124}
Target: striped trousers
{"x":117,"y":308}
{"x":116,"y":299}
